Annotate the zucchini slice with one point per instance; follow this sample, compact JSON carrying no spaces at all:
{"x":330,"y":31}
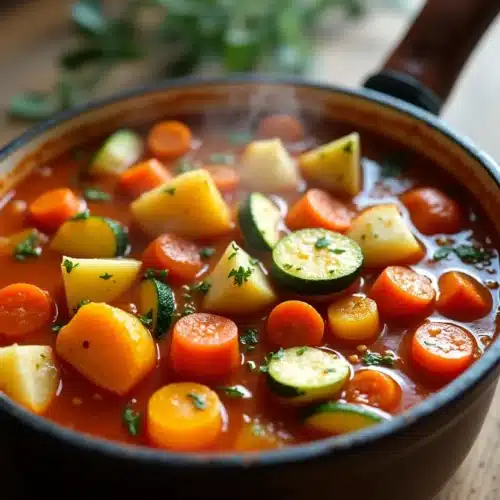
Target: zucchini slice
{"x":156,"y":303}
{"x":120,"y":150}
{"x":316,"y":261}
{"x":336,"y":417}
{"x":258,"y":218}
{"x":91,"y":237}
{"x":304,"y":374}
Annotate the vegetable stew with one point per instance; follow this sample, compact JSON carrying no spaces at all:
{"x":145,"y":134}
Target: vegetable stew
{"x":239,"y":290}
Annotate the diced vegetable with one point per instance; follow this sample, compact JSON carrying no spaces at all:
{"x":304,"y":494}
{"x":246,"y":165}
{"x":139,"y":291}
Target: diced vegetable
{"x":179,"y":256}
{"x":184,"y":417}
{"x":294,"y":323}
{"x":281,"y":126}
{"x":336,"y":165}
{"x":143,"y":177}
{"x":54,"y":207}
{"x":318,"y":209}
{"x":442,"y":349}
{"x":267,"y":166}
{"x":91,"y":237}
{"x":401,"y":292}
{"x":24,"y":309}
{"x":335,"y":417}
{"x":237,"y":284}
{"x":462,"y":297}
{"x":109,"y":346}
{"x":432,"y":211}
{"x":169,"y":140}
{"x":171,"y":207}
{"x":157,"y":302}
{"x":120,"y":150}
{"x":28,"y":374}
{"x":204,"y":345}
{"x":374,"y":388}
{"x":225,"y":178}
{"x":316,"y":261}
{"x":97,"y":280}
{"x":304,"y":374}
{"x":354,"y":318}
{"x":258,"y":218}
{"x":384,"y":237}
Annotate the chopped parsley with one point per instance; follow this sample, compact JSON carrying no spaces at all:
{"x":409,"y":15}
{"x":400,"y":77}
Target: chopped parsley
{"x":468,"y":254}
{"x":348,"y":147}
{"x":189,"y":308}
{"x":92,"y":194}
{"x":235,"y":251}
{"x":240,"y":275}
{"x":198,"y":400}
{"x":301,"y":351}
{"x":27,"y":248}
{"x":322,"y":242}
{"x":146,"y":319}
{"x":271,"y":356}
{"x":240,"y":137}
{"x":336,"y":251}
{"x":132,"y":420}
{"x":69,"y":266}
{"x":184,"y":166}
{"x":81,"y":216}
{"x":287,"y":266}
{"x":106,"y":276}
{"x":170,"y":190}
{"x":250,"y":338}
{"x":56,"y":327}
{"x":222,"y":158}
{"x":202,"y":287}
{"x":376,"y":359}
{"x":232,"y":391}
{"x":80,"y":304}
{"x":207,"y":252}
{"x":442,"y":253}
{"x":160,"y":274}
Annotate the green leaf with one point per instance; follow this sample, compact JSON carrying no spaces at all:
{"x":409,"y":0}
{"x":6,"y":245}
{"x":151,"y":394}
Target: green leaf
{"x":88,"y":16}
{"x":34,"y":106}
{"x":81,"y":56}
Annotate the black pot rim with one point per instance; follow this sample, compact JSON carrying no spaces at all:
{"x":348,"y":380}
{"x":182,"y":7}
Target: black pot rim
{"x":292,"y":454}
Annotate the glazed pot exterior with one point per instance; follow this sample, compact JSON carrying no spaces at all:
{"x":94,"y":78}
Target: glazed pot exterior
{"x":409,"y":458}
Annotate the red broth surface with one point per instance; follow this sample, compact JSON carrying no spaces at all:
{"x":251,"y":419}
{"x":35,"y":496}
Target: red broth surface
{"x":387,"y":173}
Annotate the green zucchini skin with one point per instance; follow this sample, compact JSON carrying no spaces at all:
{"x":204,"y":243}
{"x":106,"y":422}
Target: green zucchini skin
{"x":120,"y":233}
{"x":165,"y":306}
{"x":255,"y":232}
{"x":289,"y":274}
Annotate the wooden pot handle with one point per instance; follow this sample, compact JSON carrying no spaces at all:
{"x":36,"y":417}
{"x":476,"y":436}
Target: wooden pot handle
{"x":425,"y":65}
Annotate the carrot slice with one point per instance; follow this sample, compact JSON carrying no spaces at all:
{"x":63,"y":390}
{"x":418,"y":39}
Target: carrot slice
{"x":442,"y":349}
{"x":24,"y":308}
{"x":169,"y":140}
{"x":295,"y":323}
{"x":400,"y":292}
{"x":204,"y":345}
{"x":318,"y":209}
{"x":432,"y":211}
{"x":281,"y":126}
{"x":181,"y":257}
{"x":226,"y":178}
{"x":184,"y":417}
{"x":54,"y":207}
{"x":374,"y":388}
{"x":462,"y":297}
{"x":143,"y":177}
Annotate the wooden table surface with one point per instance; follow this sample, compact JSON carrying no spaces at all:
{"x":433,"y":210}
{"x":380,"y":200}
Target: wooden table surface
{"x":33,"y":34}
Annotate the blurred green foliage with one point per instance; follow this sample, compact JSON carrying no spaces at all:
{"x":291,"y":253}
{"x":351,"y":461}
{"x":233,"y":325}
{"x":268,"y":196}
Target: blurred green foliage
{"x":239,"y":35}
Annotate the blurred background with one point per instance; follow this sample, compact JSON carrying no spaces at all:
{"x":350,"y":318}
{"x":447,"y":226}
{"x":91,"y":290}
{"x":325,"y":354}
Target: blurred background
{"x":56,"y":53}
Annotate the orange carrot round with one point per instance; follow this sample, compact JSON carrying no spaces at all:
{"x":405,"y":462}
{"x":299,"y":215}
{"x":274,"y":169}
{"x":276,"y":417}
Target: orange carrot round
{"x":432,"y":211}
{"x":462,"y":297}
{"x":169,"y":140}
{"x":226,"y":178}
{"x":281,"y":126}
{"x":54,"y":207}
{"x":374,"y":388}
{"x":400,"y":292}
{"x":318,"y":209}
{"x":24,"y":308}
{"x":204,"y":345}
{"x":181,"y":257}
{"x":442,"y":349}
{"x":184,"y":417}
{"x":143,"y":177}
{"x":295,"y":323}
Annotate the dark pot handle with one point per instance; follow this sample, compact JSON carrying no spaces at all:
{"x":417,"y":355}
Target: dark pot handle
{"x":425,"y":65}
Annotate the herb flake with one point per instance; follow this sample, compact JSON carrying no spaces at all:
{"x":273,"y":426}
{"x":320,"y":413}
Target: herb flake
{"x":240,"y":275}
{"x":376,"y":359}
{"x":132,"y":420}
{"x":207,"y":252}
{"x":232,"y":391}
{"x":27,"y":248}
{"x":146,"y":319}
{"x":93,"y":194}
{"x":198,"y":400}
{"x":322,"y":242}
{"x":69,"y":266}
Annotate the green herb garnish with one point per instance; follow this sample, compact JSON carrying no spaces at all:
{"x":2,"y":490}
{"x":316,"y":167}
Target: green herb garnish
{"x":56,"y":327}
{"x":92,"y":194}
{"x":348,"y":147}
{"x":232,"y":391}
{"x":322,"y":242}
{"x":202,"y":287}
{"x":251,"y":365}
{"x":80,"y":304}
{"x":132,"y":420}
{"x":106,"y":276}
{"x":197,"y":400}
{"x":160,"y":274}
{"x":27,"y":248}
{"x":146,"y":319}
{"x":170,"y":190}
{"x":81,"y":216}
{"x":468,"y":254}
{"x":240,"y":275}
{"x":239,"y":138}
{"x":69,"y":266}
{"x":235,"y":251}
{"x":336,"y":251}
{"x":207,"y":252}
{"x":301,"y":350}
{"x":376,"y":359}
{"x":250,"y":338}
